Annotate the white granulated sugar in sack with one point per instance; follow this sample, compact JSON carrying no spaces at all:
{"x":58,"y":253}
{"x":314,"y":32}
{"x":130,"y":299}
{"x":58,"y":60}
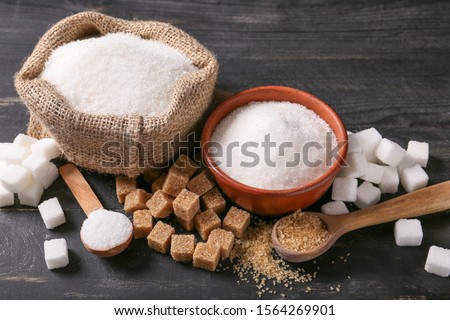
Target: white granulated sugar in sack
{"x":24,"y":140}
{"x":52,"y":213}
{"x":389,"y":180}
{"x":374,"y":173}
{"x":51,"y":176}
{"x":6,"y":197}
{"x":408,"y":232}
{"x":119,"y":73}
{"x":367,"y":195}
{"x":369,"y":140}
{"x":13,"y":154}
{"x":334,"y":207}
{"x":31,"y":194}
{"x":419,"y":152}
{"x":389,"y":152}
{"x":414,"y":178}
{"x":356,"y":165}
{"x":56,"y":253}
{"x":344,"y":189}
{"x":47,"y":148}
{"x":15,"y":178}
{"x":438,"y":261}
{"x":273,"y":168}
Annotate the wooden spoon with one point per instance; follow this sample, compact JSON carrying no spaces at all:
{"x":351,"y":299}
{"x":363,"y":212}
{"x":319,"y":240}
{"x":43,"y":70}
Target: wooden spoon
{"x":89,"y":203}
{"x":425,"y":201}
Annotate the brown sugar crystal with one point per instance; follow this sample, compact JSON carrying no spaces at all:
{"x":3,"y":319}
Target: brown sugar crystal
{"x":136,"y":200}
{"x":301,"y":232}
{"x":186,"y":205}
{"x":158,"y":183}
{"x":142,"y":223}
{"x":182,"y":247}
{"x":160,"y":205}
{"x":186,"y":165}
{"x":236,"y":221}
{"x":201,"y":183}
{"x":159,"y":237}
{"x":151,"y":174}
{"x":175,"y":182}
{"x":213,"y":200}
{"x":223,"y":239}
{"x":124,"y":186}
{"x":206,"y":256}
{"x":205,"y":222}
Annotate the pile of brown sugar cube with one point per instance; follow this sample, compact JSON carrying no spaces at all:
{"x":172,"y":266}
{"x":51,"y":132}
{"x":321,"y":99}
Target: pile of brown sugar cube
{"x":188,"y":192}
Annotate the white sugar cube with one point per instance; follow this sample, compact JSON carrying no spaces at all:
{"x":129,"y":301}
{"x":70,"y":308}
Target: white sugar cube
{"x":31,"y":195}
{"x":56,"y":253}
{"x":389,"y":152}
{"x":47,"y":147}
{"x":438,"y":261}
{"x":334,"y":207}
{"x":374,"y":173}
{"x":15,"y":178}
{"x":369,"y":140}
{"x":367,"y":195}
{"x":414,"y":178}
{"x":52,"y":213}
{"x":13,"y":154}
{"x":408,"y":232}
{"x":24,"y":140}
{"x":353,"y":144}
{"x":344,"y":189}
{"x":389,"y":180}
{"x":356,"y":165}
{"x":37,"y":164}
{"x":406,"y":162}
{"x":6,"y":197}
{"x":51,"y":176}
{"x":419,"y":151}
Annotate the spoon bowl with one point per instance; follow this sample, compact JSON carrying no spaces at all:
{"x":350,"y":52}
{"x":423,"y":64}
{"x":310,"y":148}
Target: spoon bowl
{"x":422,"y":202}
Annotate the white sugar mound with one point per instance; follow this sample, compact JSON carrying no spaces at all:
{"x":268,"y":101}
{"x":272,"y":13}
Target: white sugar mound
{"x":287,"y":123}
{"x":104,"y":229}
{"x":117,"y":74}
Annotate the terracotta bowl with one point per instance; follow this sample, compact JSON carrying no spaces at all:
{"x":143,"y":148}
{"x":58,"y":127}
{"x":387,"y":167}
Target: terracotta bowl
{"x":274,"y":202}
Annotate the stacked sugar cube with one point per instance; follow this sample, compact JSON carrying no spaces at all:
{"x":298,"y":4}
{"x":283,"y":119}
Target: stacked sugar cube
{"x":187,"y":193}
{"x":26,"y":169}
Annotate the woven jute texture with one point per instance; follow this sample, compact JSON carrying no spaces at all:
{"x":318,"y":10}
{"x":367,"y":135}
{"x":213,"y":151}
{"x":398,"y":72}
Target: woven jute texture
{"x":121,"y":145}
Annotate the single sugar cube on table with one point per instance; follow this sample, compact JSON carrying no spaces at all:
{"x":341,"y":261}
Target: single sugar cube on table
{"x":136,"y":200}
{"x":356,"y":165}
{"x":389,"y":180}
{"x":369,"y":140}
{"x":175,"y":182}
{"x":31,"y":195}
{"x":37,"y":165}
{"x":223,"y":239}
{"x":419,"y":152}
{"x":186,"y":165}
{"x":214,"y":200}
{"x":367,"y":195}
{"x":374,"y":173}
{"x":344,"y":189}
{"x":389,"y":152}
{"x":142,"y":223}
{"x":406,"y":162}
{"x":51,"y":176}
{"x":205,"y":222}
{"x":13,"y":154}
{"x":15,"y":178}
{"x":414,"y":178}
{"x":24,"y":140}
{"x":6,"y":197}
{"x":408,"y":232}
{"x":438,"y":261}
{"x":236,"y":221}
{"x":52,"y":213}
{"x":159,"y":237}
{"x":206,"y":256}
{"x":201,"y":183}
{"x":56,"y":253}
{"x":160,"y":205}
{"x":124,"y":186}
{"x":186,"y":205}
{"x":334,"y":207}
{"x":182,"y":247}
{"x":47,"y":147}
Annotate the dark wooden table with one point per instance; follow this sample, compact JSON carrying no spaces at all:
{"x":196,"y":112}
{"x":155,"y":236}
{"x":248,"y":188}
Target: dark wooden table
{"x":378,"y":63}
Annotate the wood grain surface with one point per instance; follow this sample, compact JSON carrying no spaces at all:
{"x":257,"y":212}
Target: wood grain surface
{"x":378,"y":63}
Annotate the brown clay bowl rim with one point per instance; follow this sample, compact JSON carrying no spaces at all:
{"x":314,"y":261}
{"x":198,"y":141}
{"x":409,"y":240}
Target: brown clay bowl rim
{"x":208,"y":130}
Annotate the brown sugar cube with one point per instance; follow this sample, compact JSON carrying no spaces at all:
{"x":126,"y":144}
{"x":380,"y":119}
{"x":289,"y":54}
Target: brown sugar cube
{"x":158,"y":183}
{"x":186,"y":205}
{"x":206,"y":256}
{"x":136,"y":200}
{"x":186,"y":165}
{"x":201,"y":183}
{"x":182,"y":247}
{"x":223,"y":239}
{"x":175,"y":182}
{"x":160,"y":205}
{"x":236,"y":221}
{"x":142,"y":223}
{"x":159,"y":237}
{"x":205,"y":222}
{"x":151,"y":174}
{"x":188,"y":225}
{"x":213,"y":200}
{"x":124,"y":186}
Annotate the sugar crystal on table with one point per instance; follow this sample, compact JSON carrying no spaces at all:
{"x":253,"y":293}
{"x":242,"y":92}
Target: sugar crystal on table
{"x":160,"y":205}
{"x":389,"y":180}
{"x":214,"y":200}
{"x":374,"y":173}
{"x":182,"y":247}
{"x":175,"y":182}
{"x":206,"y":256}
{"x":124,"y":186}
{"x":414,"y":178}
{"x":334,"y":207}
{"x":236,"y":221}
{"x":142,"y":223}
{"x":389,"y":152}
{"x":367,"y":195}
{"x":223,"y":239}
{"x":52,"y":214}
{"x":205,"y":222}
{"x":369,"y":140}
{"x":344,"y":189}
{"x":438,"y":261}
{"x":408,"y":232}
{"x":15,"y":178}
{"x":159,"y":237}
{"x":419,"y":152}
{"x":136,"y":200}
{"x":47,"y":148}
{"x":56,"y":253}
{"x":6,"y":197}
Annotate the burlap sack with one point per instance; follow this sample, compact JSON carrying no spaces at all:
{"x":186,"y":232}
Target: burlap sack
{"x":116,"y":144}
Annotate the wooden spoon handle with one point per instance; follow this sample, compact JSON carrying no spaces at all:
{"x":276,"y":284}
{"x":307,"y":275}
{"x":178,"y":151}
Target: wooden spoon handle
{"x":418,"y":203}
{"x":80,"y":188}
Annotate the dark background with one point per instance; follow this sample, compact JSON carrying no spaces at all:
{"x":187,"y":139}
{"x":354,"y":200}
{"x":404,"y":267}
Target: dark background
{"x":378,"y":63}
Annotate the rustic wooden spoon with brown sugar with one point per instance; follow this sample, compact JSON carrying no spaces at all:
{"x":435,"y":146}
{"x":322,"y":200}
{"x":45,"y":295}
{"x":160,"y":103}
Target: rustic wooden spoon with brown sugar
{"x":422,"y":202}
